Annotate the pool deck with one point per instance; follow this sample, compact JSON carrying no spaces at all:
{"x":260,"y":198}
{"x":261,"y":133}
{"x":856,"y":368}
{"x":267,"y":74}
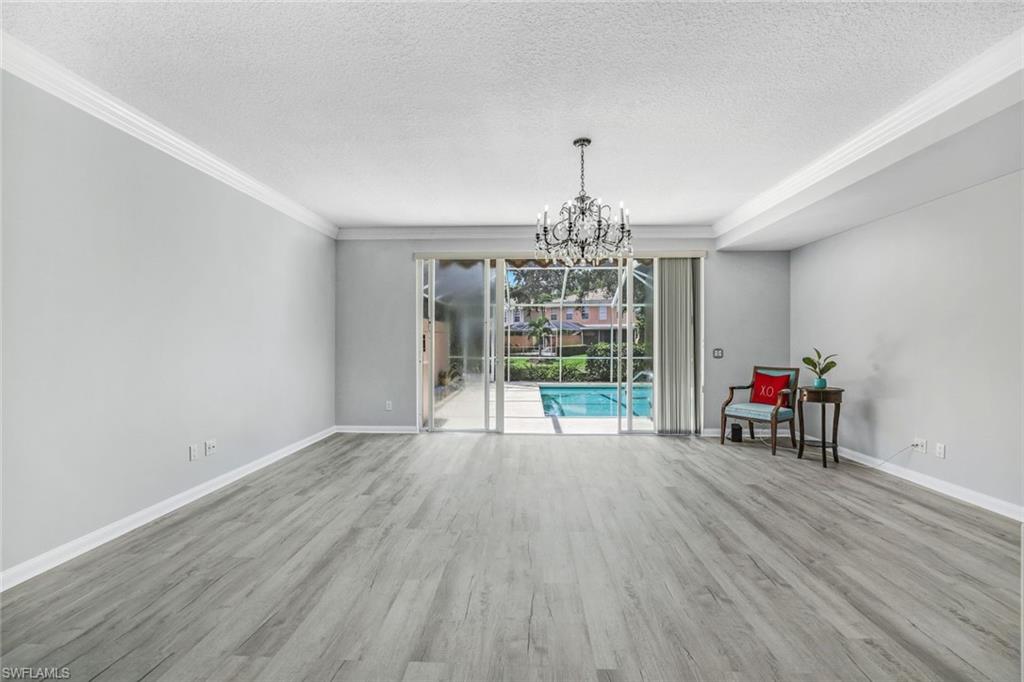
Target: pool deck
{"x":524,"y":412}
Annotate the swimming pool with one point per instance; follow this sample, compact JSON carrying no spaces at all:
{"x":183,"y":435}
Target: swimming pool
{"x":593,"y":401}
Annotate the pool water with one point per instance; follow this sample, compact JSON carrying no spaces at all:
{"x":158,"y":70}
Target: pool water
{"x":593,"y":401}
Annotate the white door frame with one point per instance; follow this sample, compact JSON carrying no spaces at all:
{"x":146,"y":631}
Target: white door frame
{"x":499,"y":346}
{"x":494,"y":329}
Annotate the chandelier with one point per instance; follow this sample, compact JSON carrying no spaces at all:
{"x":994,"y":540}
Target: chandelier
{"x":584,"y":230}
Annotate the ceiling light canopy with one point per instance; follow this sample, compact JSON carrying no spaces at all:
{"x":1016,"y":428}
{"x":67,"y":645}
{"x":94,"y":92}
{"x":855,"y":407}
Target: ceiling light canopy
{"x":584,"y":229}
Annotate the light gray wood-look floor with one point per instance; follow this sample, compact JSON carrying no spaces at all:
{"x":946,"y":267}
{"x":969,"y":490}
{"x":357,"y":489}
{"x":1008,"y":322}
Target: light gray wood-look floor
{"x":473,"y":557}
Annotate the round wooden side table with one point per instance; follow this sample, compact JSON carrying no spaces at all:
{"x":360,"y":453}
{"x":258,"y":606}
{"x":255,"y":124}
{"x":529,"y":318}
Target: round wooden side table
{"x":825,"y":396}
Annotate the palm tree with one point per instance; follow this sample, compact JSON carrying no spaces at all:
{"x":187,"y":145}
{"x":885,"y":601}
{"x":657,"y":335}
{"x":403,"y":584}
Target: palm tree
{"x":538,"y":330}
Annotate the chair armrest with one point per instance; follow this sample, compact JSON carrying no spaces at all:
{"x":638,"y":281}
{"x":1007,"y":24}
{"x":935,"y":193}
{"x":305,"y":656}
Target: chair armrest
{"x":782,"y":396}
{"x":731,"y":389}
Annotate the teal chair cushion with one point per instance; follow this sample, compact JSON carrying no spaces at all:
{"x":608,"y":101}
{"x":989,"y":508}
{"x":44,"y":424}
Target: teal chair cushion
{"x":774,"y":372}
{"x":757,"y":411}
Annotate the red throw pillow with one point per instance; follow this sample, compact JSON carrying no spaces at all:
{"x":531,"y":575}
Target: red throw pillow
{"x":767,"y":387}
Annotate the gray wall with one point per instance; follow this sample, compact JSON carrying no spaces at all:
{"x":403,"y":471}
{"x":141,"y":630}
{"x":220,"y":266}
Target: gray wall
{"x":376,"y":309}
{"x":924,"y":309}
{"x":146,"y":306}
{"x":746,"y":308}
{"x":376,"y":335}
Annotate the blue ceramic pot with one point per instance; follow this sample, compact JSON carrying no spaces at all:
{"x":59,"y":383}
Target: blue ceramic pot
{"x":820,"y":382}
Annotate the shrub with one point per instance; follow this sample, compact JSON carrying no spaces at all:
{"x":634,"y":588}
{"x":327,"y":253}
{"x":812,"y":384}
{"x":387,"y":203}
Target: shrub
{"x":599,"y":362}
{"x":574,"y":369}
{"x":546,"y":370}
{"x":574,"y":373}
{"x":604,"y":350}
{"x":521,"y":369}
{"x":596,"y":370}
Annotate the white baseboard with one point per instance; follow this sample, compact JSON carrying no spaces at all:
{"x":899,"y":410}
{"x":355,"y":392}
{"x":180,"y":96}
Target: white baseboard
{"x":69,"y":550}
{"x":959,"y":492}
{"x":349,"y":428}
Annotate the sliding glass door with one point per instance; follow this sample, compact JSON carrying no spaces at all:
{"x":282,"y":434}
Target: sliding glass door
{"x":525,"y":346}
{"x":457,"y":349}
{"x":636,"y":351}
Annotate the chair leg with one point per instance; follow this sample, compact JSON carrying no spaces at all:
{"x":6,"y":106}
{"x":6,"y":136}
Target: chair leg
{"x":721,"y":439}
{"x":751,"y":430}
{"x":775,"y":434}
{"x":792,"y":432}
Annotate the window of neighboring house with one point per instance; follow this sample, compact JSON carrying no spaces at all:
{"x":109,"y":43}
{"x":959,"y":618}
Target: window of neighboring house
{"x":602,"y":312}
{"x":517,"y":315}
{"x":586,"y":312}
{"x":554,"y":316}
{"x":569,"y":313}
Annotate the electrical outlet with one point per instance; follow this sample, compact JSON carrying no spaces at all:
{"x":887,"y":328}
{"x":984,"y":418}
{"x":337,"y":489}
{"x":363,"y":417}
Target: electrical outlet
{"x":387,"y":405}
{"x":193,"y":452}
{"x":919,"y":445}
{"x":211,"y":447}
{"x":717,"y":353}
{"x":940,"y":450}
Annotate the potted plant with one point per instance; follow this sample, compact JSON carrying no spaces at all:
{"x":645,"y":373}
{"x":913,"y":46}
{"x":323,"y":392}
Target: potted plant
{"x":820,"y":366}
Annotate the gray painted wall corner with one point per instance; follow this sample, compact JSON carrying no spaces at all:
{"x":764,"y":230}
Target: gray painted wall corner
{"x":924,"y":308}
{"x":146,"y":306}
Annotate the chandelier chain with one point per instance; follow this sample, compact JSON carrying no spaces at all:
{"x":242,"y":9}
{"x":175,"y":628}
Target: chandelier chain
{"x":582,"y":189}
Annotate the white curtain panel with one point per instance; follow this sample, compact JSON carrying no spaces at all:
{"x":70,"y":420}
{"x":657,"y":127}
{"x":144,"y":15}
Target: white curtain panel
{"x":677,"y":386}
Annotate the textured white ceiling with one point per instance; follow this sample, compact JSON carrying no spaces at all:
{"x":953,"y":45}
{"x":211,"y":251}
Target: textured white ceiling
{"x":463,"y":114}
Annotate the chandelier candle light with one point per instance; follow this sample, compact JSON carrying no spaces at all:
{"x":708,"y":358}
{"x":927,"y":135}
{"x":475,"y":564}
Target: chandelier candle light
{"x":584,"y":231}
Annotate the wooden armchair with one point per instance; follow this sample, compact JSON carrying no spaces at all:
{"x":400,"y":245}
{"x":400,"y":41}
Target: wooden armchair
{"x":764,"y":413}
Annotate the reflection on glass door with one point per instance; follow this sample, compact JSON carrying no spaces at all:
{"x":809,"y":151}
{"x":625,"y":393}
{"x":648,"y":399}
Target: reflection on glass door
{"x":635,"y":351}
{"x":457,"y":362}
{"x":460,"y":345}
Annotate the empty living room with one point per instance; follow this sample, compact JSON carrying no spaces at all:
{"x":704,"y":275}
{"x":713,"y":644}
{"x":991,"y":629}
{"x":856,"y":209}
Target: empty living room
{"x":522,"y":341}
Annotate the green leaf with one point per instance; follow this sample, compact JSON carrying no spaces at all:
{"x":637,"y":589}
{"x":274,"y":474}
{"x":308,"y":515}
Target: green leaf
{"x":828,"y":367}
{"x":818,"y":353}
{"x":809,"y":361}
{"x":829,"y":357}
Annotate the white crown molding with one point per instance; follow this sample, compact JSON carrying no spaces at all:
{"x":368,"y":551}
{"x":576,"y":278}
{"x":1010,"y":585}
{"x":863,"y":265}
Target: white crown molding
{"x":433,"y":232}
{"x":640,"y":232}
{"x":69,"y":550}
{"x":991,"y":68}
{"x":42,"y":72}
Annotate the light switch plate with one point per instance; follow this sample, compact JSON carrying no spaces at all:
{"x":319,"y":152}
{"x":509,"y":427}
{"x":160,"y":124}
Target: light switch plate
{"x":940,"y":450}
{"x":193,"y":452}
